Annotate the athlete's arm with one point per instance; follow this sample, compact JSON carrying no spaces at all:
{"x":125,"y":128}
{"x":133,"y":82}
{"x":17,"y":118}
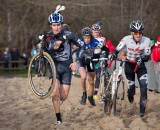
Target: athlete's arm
{"x":73,"y":38}
{"x":147,"y":52}
{"x":120,"y":47}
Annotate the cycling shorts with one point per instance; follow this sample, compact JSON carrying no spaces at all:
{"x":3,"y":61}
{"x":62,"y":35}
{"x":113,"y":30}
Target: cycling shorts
{"x":63,"y":72}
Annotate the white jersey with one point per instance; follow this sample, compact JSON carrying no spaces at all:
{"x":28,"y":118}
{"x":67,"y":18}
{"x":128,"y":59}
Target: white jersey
{"x":134,"y":50}
{"x":101,"y":39}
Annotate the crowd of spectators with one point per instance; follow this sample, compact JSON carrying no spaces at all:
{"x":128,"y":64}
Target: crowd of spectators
{"x":10,"y":58}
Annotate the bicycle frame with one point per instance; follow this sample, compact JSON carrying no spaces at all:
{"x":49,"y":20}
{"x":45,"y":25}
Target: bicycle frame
{"x":103,"y":73}
{"x":117,"y":73}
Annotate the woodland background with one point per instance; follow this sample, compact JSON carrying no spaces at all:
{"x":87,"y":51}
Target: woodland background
{"x":20,"y":20}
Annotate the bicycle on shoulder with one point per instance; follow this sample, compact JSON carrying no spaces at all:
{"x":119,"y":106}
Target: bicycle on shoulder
{"x":41,"y":70}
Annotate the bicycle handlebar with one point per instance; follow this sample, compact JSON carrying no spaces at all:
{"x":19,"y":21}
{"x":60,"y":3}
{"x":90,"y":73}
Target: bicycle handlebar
{"x":100,"y":59}
{"x":125,"y":60}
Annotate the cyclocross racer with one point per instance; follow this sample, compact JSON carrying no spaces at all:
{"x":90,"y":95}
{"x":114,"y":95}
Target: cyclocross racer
{"x":60,"y":50}
{"x":96,"y":33}
{"x":91,"y":49}
{"x":137,"y":49}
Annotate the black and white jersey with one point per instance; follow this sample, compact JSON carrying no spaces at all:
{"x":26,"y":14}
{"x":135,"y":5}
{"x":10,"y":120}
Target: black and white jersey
{"x":64,"y":52}
{"x":134,"y":50}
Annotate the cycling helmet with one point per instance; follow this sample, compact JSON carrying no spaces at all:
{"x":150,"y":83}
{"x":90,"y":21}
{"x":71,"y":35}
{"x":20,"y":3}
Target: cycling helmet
{"x":55,"y":18}
{"x":86,"y":31}
{"x":136,"y":26}
{"x":96,"y":27}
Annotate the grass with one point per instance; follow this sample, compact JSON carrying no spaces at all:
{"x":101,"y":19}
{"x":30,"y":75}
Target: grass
{"x":17,"y":73}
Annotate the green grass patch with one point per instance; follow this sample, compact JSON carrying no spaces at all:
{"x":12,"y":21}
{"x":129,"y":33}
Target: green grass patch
{"x":17,"y":73}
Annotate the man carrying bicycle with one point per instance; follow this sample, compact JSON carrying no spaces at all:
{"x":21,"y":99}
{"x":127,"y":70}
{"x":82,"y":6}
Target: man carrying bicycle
{"x":137,"y":50}
{"x":60,"y":50}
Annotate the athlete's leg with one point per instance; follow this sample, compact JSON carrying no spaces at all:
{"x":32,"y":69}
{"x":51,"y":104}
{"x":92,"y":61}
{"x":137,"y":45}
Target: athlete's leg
{"x":61,"y":88}
{"x":56,"y":101}
{"x":82,"y":72}
{"x":143,"y":82}
{"x":56,"y":96}
{"x":130,"y":75}
{"x":97,"y":81}
{"x":64,"y":91}
{"x":91,"y":76}
{"x":59,"y":93}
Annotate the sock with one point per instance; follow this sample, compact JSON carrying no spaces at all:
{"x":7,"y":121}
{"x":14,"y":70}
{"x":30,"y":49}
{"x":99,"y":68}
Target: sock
{"x":58,"y":115}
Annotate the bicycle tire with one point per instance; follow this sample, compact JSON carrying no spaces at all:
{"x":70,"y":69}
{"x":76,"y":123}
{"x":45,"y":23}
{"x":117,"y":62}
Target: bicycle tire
{"x":107,"y":96}
{"x":51,"y":73}
{"x":119,"y":98}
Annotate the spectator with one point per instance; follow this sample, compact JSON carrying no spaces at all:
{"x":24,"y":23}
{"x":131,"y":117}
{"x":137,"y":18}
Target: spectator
{"x":34,"y":50}
{"x":6,"y":57}
{"x":152,"y":42}
{"x":25,"y":58}
{"x":155,"y":55}
{"x":15,"y":57}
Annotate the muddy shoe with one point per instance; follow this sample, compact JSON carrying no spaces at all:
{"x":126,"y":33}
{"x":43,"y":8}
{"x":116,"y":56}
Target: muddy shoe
{"x":83,"y":99}
{"x":91,"y":100}
{"x":141,"y":114}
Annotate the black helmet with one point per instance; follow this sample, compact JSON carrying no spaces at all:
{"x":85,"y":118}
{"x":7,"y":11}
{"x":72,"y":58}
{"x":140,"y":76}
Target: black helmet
{"x":86,"y":31}
{"x":136,"y":26}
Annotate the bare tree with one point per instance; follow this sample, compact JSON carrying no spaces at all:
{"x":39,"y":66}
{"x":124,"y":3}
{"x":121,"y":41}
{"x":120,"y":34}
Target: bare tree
{"x":21,"y":19}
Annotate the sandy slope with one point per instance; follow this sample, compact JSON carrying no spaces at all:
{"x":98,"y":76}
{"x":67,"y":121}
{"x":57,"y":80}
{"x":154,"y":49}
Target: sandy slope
{"x":21,"y":110}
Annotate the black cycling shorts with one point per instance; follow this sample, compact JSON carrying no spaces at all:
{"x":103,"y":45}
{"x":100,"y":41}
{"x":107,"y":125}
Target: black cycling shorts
{"x":63,"y":72}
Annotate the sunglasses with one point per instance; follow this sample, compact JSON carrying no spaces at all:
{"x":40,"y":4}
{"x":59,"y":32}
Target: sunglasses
{"x":136,"y":33}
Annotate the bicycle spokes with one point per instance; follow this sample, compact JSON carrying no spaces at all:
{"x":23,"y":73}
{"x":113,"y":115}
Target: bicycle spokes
{"x":41,"y":75}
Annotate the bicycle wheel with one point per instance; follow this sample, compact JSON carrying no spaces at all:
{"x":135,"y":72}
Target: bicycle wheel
{"x":42,"y":75}
{"x":107,"y":95}
{"x":119,"y":98}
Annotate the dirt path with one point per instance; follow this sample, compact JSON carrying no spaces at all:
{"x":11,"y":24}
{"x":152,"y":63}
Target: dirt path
{"x":21,"y":110}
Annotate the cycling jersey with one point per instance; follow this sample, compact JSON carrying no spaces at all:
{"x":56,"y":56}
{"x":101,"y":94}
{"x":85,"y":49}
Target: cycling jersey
{"x":101,"y":39}
{"x":64,"y":51}
{"x":63,"y":55}
{"x":86,"y":54}
{"x":110,"y":46}
{"x":135,"y":50}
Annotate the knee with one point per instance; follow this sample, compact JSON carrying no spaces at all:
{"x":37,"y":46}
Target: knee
{"x":143,"y":81}
{"x":63,"y":98}
{"x":83,"y":79}
{"x":131,"y":84}
{"x":55,"y":96}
